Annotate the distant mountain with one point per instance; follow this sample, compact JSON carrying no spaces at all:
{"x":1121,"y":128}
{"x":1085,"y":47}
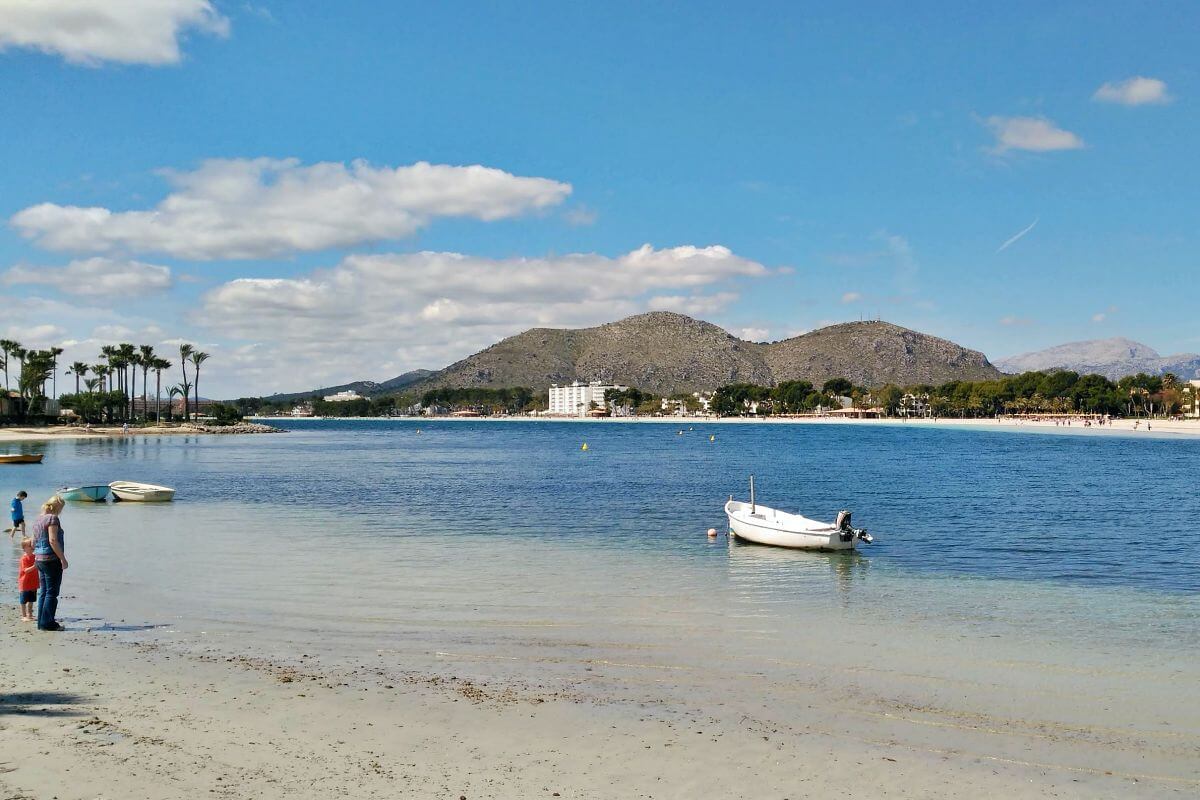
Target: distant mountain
{"x":873,"y":354}
{"x":1113,"y":358}
{"x":365,"y":388}
{"x":665,"y":353}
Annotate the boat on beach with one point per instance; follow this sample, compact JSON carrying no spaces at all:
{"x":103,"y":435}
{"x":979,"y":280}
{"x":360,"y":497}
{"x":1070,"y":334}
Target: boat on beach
{"x":765,"y":525}
{"x":87,"y":494}
{"x":141,"y":492}
{"x":21,"y":458}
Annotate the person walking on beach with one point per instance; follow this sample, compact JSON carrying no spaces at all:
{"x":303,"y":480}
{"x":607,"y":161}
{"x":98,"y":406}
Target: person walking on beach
{"x":27,"y":580}
{"x":17,"y":512}
{"x":49,"y":551}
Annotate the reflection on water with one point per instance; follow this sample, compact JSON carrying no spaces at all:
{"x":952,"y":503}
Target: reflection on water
{"x":758,"y":573}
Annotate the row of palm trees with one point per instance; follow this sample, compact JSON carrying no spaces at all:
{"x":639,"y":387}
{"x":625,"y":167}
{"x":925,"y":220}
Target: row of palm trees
{"x":116,"y":372}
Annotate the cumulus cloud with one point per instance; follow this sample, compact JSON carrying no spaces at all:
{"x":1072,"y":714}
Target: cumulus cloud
{"x":95,"y":277}
{"x":91,"y":32}
{"x":851,"y":297}
{"x":754,"y":334}
{"x":399,"y":311}
{"x":1136,"y":91}
{"x":1035,"y":134}
{"x":264,"y":207}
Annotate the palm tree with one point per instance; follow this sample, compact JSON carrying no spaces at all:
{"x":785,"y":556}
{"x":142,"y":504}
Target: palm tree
{"x":158,"y":365}
{"x":101,"y":372}
{"x":146,"y":360}
{"x":185,"y":353}
{"x":8,"y":346}
{"x":55,"y":352}
{"x":130,"y":362}
{"x":182,"y":390}
{"x":198,"y":358}
{"x":78,"y":369}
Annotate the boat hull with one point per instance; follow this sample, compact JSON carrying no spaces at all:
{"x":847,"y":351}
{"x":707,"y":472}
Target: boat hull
{"x":771,"y":528}
{"x":141,"y":492}
{"x":85,"y":494}
{"x":35,"y":458}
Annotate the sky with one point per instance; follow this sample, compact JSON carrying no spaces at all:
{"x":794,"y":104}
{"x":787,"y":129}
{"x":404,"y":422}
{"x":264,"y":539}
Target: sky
{"x":319,"y":192}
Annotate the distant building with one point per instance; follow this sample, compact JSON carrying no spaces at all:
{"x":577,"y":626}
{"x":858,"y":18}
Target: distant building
{"x":342,"y":397}
{"x":302,"y":410}
{"x":1191,"y":399}
{"x":576,"y":399}
{"x":914,"y":405}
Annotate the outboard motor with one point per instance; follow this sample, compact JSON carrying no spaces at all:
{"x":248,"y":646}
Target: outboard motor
{"x":847,"y":531}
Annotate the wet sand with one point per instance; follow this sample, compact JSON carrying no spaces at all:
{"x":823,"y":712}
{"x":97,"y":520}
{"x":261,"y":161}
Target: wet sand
{"x":89,"y":714}
{"x":65,"y":432}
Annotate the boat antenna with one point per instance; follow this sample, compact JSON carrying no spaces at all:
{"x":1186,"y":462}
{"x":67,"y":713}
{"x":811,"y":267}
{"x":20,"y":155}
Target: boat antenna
{"x":751,"y":494}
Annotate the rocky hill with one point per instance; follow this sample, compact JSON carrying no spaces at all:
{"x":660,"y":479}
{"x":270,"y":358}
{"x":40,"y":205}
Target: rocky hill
{"x":658,"y":352}
{"x":1114,"y":358}
{"x":875,"y":353}
{"x":663,"y":352}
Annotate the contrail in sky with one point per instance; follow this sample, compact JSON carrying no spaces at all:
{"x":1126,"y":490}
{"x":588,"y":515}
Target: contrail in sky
{"x":1018,"y":236}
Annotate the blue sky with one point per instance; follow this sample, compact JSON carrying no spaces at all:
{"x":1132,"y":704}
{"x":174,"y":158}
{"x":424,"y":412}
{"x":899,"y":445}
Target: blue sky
{"x":241,"y":175}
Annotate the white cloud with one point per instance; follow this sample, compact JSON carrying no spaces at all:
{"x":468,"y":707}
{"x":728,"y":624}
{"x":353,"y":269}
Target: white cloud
{"x":259,"y":208}
{"x":1100,"y":317}
{"x":95,"y":277}
{"x":34,"y":337}
{"x":1035,"y":134}
{"x":851,"y":297}
{"x":1013,"y":320}
{"x":93,"y":31}
{"x":1137,"y":91}
{"x":754,"y":334}
{"x":392,"y":312}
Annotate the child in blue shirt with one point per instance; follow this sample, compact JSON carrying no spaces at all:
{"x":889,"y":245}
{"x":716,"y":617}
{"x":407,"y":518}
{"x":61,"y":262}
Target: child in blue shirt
{"x":18,"y":515}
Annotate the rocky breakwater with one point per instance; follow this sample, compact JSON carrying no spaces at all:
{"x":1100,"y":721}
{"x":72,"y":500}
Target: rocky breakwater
{"x":237,"y":427}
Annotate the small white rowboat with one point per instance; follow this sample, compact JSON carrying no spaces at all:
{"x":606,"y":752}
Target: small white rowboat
{"x":764,"y":525}
{"x":141,"y":492}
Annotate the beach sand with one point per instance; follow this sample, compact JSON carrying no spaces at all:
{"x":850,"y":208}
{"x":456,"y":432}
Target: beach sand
{"x":94,"y":714}
{"x":44,"y":434}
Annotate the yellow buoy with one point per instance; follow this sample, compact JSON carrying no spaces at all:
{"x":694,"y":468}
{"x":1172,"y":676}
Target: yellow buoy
{"x":712,"y":438}
{"x":584,"y":446}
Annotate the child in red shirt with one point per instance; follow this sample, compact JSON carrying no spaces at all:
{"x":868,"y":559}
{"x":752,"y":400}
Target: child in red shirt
{"x":27,"y":580}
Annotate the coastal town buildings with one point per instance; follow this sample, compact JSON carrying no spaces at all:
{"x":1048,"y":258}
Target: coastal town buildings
{"x":1191,"y":399}
{"x":342,"y":397}
{"x":576,"y":399}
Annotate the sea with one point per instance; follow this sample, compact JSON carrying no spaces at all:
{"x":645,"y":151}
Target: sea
{"x":1054,"y":576}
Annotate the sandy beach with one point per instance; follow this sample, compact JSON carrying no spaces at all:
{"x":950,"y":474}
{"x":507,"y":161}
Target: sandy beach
{"x":65,"y":432}
{"x":92,"y":714}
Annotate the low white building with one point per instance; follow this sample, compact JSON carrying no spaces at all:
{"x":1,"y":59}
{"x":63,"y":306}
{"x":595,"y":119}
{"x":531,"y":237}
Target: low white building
{"x":1191,"y":399}
{"x":342,"y":397}
{"x":576,"y":399}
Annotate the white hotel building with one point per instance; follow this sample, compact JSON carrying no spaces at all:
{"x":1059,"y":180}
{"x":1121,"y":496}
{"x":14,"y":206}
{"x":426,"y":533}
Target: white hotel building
{"x":576,"y":400}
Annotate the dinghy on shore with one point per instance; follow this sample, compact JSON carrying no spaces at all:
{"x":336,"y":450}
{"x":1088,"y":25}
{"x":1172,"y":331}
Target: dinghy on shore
{"x":764,"y":525}
{"x":141,"y":492}
{"x":86,"y":494}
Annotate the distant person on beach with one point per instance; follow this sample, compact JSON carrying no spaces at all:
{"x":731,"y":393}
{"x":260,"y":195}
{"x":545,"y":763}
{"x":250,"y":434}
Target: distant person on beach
{"x":27,"y":580}
{"x":17,"y":512}
{"x":124,"y":428}
{"x":49,"y":551}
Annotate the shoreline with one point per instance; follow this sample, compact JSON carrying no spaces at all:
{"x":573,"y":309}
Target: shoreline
{"x":1171,"y":428}
{"x":50,"y":434}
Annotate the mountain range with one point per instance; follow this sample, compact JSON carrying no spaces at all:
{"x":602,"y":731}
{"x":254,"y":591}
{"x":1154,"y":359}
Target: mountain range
{"x":365,"y":388}
{"x":667,"y":353}
{"x":1113,"y":358}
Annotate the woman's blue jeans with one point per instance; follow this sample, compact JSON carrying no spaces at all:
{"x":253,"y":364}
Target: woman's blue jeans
{"x":49,"y":582}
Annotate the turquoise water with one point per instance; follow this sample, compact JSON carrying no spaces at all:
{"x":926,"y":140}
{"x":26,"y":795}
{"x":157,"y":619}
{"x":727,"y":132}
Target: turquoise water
{"x":1079,"y":530}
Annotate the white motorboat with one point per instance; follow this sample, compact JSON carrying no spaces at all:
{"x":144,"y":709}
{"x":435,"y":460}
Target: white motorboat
{"x":141,"y":492}
{"x":765,"y":525}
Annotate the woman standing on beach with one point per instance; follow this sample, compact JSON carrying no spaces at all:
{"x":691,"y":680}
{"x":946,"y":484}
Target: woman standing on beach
{"x":49,"y":554}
